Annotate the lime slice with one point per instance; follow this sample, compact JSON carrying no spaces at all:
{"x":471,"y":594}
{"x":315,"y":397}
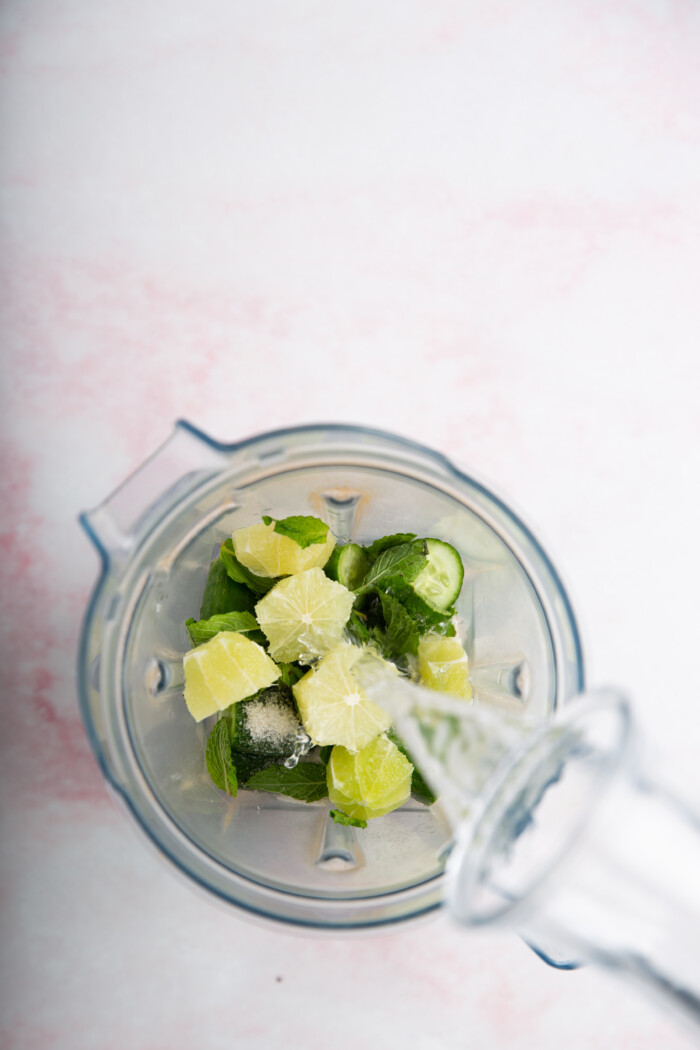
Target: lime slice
{"x":371,"y":782}
{"x":268,"y":553}
{"x":226,"y":669}
{"x":333,"y":707}
{"x":443,"y":665}
{"x":304,"y":615}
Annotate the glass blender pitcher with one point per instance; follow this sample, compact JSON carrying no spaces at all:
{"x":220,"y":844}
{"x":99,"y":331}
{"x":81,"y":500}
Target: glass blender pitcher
{"x":269,"y":856}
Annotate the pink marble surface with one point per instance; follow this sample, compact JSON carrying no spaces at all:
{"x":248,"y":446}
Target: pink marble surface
{"x":477,"y":224}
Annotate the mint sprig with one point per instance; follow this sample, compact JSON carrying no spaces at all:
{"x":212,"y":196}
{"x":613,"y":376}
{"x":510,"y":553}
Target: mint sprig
{"x":302,"y":528}
{"x":306,"y":782}
{"x":291,"y":673}
{"x":420,"y":790}
{"x":342,"y":818}
{"x":386,"y":542}
{"x":425,"y":616}
{"x":357,"y":628}
{"x":396,"y":565}
{"x":202,"y":630}
{"x":219,"y":760}
{"x":222,"y":594}
{"x":401,"y":635}
{"x":239,"y":573}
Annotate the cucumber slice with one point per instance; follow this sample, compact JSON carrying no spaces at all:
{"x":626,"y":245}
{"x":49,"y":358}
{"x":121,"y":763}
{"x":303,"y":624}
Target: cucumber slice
{"x":246,"y":764}
{"x":440,"y":582}
{"x":331,"y":566}
{"x":348,"y":565}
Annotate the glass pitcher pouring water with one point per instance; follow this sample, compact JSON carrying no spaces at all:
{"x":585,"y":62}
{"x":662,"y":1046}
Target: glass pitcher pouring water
{"x":561,"y":833}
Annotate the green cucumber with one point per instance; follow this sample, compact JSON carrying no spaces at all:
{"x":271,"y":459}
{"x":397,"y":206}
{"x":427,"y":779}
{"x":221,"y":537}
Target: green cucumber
{"x":440,"y":582}
{"x":266,"y":724}
{"x":331,"y":566}
{"x":247,"y":764}
{"x":348,"y":565}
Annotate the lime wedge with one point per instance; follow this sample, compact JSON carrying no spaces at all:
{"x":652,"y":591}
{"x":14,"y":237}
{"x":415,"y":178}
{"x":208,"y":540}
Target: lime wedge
{"x":443,"y":665}
{"x":226,"y":669}
{"x":371,"y":782}
{"x":268,"y":553}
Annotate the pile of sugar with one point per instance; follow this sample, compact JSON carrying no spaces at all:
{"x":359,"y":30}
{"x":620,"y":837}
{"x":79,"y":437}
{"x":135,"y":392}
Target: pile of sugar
{"x":271,"y":722}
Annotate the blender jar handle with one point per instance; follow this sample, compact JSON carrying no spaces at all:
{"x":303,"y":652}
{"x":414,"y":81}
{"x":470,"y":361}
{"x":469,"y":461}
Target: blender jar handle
{"x":117,"y":524}
{"x":117,"y":527}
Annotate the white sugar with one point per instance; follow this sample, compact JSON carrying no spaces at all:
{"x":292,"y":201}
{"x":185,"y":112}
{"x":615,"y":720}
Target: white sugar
{"x":269,"y":721}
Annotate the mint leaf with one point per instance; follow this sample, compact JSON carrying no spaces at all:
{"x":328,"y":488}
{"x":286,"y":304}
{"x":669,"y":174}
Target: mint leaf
{"x":239,"y":573}
{"x":420,"y":790}
{"x":222,"y":594}
{"x":291,"y":673}
{"x":202,"y":630}
{"x":306,"y":782}
{"x":302,"y":528}
{"x":219,"y":761}
{"x":396,"y":565}
{"x":383,"y":544}
{"x":357,"y":628}
{"x":324,"y":753}
{"x":342,"y":818}
{"x":401,"y":635}
{"x":425,"y":616}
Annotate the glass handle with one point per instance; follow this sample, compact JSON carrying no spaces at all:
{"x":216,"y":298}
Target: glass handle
{"x":117,"y":524}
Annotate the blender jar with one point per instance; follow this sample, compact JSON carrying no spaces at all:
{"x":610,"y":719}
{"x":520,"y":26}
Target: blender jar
{"x":157,"y":534}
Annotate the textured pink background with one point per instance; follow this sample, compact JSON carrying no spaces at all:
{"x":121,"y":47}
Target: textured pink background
{"x":477,"y":224}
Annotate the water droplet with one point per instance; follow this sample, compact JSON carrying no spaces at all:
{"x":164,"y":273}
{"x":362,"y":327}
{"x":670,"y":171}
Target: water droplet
{"x":302,"y":747}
